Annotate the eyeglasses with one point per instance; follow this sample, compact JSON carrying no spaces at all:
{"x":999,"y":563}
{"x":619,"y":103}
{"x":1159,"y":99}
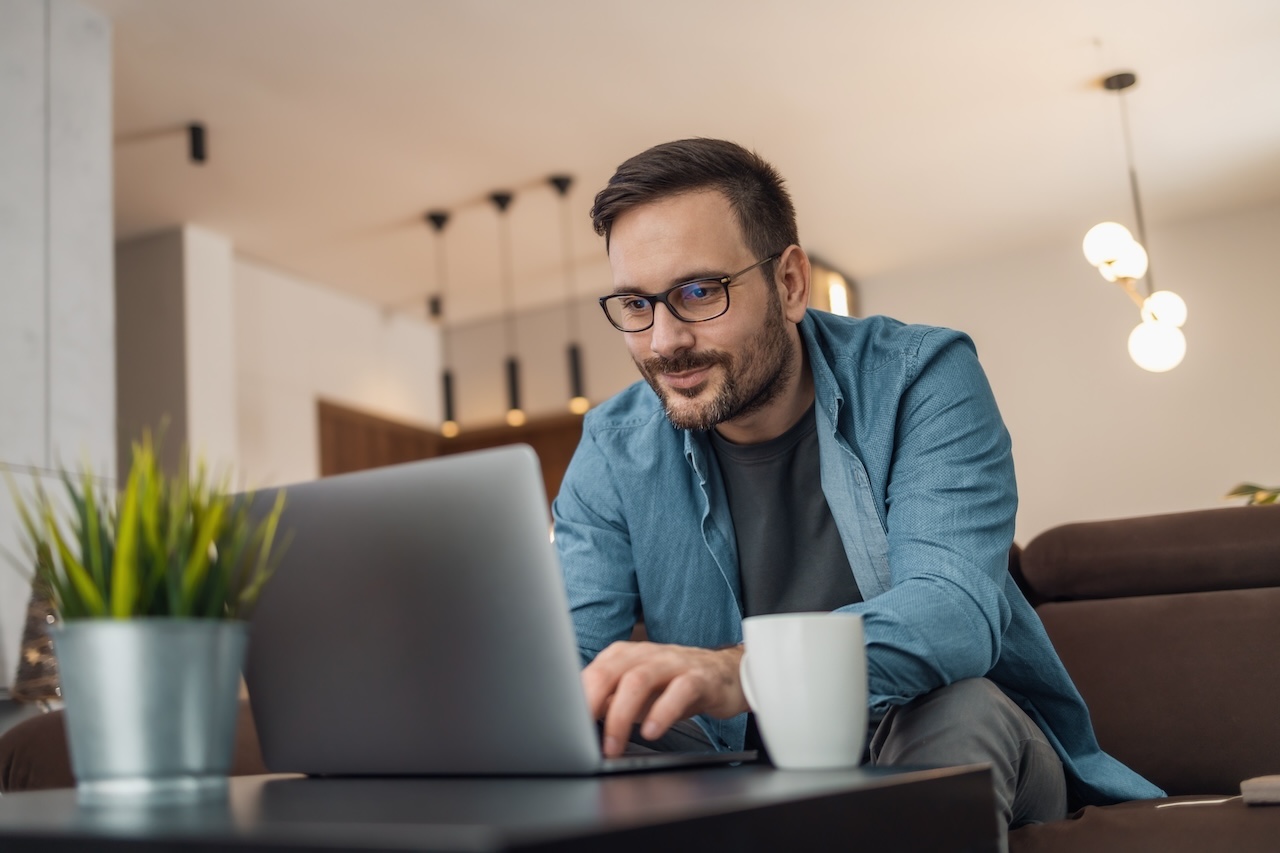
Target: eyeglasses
{"x":692,"y":302}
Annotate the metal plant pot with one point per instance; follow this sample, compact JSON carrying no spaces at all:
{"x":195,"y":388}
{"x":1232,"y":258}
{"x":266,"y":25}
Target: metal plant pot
{"x":151,"y":704}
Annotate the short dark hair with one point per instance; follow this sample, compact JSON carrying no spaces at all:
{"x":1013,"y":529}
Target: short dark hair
{"x":754,"y":188}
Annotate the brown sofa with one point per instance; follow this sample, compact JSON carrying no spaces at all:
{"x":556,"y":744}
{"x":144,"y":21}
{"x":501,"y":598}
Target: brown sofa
{"x":1170,"y":628}
{"x":33,"y":754}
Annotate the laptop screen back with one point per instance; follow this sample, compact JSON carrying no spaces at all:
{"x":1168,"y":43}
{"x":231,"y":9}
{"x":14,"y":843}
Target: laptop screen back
{"x":417,"y":624}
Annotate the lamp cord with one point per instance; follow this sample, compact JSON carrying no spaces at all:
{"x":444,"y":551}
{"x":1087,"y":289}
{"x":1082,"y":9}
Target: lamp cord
{"x":442,"y":288}
{"x":1133,"y":188}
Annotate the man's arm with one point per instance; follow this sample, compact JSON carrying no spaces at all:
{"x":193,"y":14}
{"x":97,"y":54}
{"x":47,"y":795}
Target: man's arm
{"x":594,"y":546}
{"x":950,"y":504}
{"x":653,"y":684}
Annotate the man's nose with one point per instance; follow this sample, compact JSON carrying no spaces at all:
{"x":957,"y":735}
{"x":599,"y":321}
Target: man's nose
{"x":669,"y":335}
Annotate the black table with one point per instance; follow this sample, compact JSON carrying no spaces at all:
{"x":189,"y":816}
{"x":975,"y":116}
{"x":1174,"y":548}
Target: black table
{"x":722,"y":808}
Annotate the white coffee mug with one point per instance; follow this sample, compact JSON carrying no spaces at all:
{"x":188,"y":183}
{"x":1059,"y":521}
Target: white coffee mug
{"x":805,"y":677}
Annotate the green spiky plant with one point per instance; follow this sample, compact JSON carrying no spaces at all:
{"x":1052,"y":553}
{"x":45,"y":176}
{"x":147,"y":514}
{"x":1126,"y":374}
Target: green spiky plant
{"x":1255,"y":494}
{"x":181,"y":546}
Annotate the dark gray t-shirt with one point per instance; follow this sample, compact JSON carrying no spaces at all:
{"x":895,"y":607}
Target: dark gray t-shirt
{"x":790,"y":557}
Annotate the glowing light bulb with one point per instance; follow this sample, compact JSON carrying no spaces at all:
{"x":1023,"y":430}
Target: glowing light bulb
{"x":1104,"y":242}
{"x":449,"y":429}
{"x":1130,"y":262}
{"x":1164,"y":306}
{"x":1157,"y":347}
{"x":515,"y":417}
{"x":579,"y":405}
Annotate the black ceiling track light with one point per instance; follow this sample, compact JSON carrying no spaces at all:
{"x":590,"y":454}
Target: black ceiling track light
{"x":578,"y":402}
{"x":438,"y":219}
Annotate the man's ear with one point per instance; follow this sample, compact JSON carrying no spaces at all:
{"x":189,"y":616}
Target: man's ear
{"x":792,"y":278}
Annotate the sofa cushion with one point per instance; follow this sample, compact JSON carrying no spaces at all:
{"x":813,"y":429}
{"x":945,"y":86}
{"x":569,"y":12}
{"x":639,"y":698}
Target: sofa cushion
{"x":1182,"y":688}
{"x":1139,"y":826}
{"x":1232,"y":548}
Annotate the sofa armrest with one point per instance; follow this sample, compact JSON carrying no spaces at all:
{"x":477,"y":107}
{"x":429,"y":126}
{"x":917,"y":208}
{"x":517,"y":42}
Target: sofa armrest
{"x":1216,"y":549}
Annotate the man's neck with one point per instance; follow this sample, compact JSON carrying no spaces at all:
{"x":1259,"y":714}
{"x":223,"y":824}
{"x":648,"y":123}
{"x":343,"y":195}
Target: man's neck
{"x":780,"y":415}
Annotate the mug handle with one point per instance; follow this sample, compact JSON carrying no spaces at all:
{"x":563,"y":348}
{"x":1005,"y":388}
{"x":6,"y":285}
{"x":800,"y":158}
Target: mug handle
{"x":745,"y":680}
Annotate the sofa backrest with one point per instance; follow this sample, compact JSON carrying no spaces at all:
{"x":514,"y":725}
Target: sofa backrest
{"x":1170,"y":628}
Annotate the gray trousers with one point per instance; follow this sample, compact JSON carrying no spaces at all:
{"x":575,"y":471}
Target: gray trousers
{"x":968,"y":722}
{"x":973,"y":722}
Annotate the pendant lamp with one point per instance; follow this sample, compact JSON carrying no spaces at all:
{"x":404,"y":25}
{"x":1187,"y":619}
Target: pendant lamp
{"x":502,"y":200}
{"x":1157,"y":343}
{"x":578,"y":402}
{"x":435,"y":309}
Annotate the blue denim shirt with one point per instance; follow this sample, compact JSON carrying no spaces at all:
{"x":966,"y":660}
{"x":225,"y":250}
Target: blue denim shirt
{"x":917,"y":468}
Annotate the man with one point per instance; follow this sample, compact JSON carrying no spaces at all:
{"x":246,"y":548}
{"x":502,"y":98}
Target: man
{"x":777,"y":459}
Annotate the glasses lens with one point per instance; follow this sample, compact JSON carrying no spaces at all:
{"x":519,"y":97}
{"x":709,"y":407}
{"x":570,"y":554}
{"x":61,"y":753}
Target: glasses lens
{"x":699,"y":300}
{"x":692,"y":302}
{"x":629,"y":312}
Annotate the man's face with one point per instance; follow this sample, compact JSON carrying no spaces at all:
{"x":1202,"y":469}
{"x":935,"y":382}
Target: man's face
{"x":717,"y":371}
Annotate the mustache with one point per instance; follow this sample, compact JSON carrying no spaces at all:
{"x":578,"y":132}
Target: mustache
{"x":684,"y":362}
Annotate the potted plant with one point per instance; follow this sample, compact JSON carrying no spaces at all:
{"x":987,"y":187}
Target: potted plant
{"x":1255,"y":494}
{"x":150,"y":588}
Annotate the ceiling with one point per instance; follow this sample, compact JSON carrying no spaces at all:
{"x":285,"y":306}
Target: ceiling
{"x":912,"y":134}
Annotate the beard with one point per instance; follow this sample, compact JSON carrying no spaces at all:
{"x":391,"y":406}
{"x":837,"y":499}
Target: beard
{"x":750,"y":381}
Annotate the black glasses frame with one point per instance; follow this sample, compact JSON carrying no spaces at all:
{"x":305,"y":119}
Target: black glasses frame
{"x":664,"y":298}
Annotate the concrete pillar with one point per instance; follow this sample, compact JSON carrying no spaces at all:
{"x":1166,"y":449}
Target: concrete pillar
{"x":57,"y":329}
{"x":176,"y":349}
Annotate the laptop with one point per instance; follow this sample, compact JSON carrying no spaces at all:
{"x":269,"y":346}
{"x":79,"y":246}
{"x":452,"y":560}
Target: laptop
{"x":417,"y":624}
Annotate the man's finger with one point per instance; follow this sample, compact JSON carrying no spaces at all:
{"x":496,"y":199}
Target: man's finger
{"x":598,"y":684}
{"x":634,"y":694}
{"x":600,"y":677}
{"x":675,"y":703}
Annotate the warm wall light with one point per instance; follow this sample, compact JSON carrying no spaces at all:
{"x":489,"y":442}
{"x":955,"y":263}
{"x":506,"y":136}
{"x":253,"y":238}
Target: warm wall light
{"x":838,"y":295}
{"x":830,"y":290}
{"x":1157,"y":343}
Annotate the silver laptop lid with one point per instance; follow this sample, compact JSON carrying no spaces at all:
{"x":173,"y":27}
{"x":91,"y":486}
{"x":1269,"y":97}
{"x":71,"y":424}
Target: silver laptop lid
{"x":418,"y":624}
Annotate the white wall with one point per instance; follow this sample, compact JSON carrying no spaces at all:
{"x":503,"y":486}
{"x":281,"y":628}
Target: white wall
{"x":296,"y":342}
{"x":57,"y":334}
{"x":1094,"y":435}
{"x":208,"y":275}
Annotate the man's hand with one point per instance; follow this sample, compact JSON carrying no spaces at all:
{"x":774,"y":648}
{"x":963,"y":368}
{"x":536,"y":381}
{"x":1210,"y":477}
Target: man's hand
{"x":661,"y":684}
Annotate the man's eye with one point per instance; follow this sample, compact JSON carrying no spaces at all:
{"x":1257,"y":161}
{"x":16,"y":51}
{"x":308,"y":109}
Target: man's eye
{"x":696,"y":292}
{"x":634,"y":304}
